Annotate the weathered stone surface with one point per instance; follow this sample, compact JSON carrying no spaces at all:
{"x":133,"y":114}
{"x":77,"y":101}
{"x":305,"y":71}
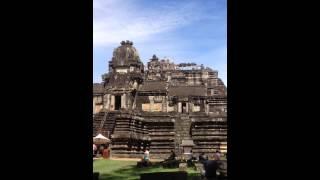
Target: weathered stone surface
{"x":183,"y":167}
{"x":159,"y":107}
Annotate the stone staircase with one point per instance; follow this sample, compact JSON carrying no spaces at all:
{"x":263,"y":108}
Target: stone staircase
{"x":104,"y":123}
{"x":97,"y":119}
{"x":108,"y":126}
{"x":182,"y":131}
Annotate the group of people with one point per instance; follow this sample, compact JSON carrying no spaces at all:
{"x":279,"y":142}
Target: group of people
{"x":171,"y":161}
{"x":203,"y":158}
{"x":211,"y":167}
{"x":98,"y":150}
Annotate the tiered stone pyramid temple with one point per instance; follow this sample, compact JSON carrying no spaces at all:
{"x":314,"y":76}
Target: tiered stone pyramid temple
{"x":159,"y":106}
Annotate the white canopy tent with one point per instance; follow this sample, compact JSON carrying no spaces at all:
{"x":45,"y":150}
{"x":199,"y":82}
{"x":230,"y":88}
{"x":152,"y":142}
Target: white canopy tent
{"x":100,"y":139}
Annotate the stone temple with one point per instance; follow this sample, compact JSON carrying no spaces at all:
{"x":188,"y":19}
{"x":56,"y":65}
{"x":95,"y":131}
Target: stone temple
{"x":159,"y":106}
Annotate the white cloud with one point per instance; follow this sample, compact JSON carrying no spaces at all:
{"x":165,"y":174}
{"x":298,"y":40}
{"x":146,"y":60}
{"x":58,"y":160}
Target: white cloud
{"x":116,"y":20}
{"x":120,"y":20}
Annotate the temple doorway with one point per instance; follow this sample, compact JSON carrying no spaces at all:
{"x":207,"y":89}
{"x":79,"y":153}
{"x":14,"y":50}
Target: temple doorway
{"x":117,"y":102}
{"x":184,"y":107}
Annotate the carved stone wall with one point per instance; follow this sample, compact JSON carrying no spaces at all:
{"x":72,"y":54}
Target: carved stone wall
{"x":160,"y":106}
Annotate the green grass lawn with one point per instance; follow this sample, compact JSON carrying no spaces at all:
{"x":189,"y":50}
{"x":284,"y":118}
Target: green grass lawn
{"x":115,"y":170}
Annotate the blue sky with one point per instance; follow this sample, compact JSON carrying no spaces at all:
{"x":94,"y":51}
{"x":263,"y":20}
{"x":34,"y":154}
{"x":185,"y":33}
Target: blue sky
{"x":181,"y":30}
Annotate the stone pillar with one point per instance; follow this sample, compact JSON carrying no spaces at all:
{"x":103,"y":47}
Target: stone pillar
{"x":167,"y":104}
{"x":112,"y":102}
{"x":187,"y":107}
{"x":179,"y":107}
{"x":202,"y":106}
{"x":126,"y":99}
{"x":129,"y":100}
{"x":106,"y":101}
{"x":123,"y":101}
{"x":164,"y":104}
{"x":151,"y":103}
{"x":207,"y":108}
{"x":94,"y":105}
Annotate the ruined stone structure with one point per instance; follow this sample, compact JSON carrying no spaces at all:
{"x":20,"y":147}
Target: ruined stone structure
{"x":160,"y":106}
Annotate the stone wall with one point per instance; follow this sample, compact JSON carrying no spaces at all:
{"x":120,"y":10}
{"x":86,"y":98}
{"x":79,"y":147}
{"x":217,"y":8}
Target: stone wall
{"x":160,"y":106}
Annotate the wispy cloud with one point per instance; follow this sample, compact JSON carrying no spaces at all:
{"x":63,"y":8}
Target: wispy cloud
{"x":126,"y":20}
{"x":184,"y":31}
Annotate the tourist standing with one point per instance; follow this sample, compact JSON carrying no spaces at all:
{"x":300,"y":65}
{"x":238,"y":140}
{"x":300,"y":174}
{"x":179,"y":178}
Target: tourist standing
{"x":202,"y":158}
{"x":217,"y":156}
{"x":94,"y":149}
{"x":210,"y":169}
{"x":146,"y":158}
{"x":146,"y":155}
{"x":101,"y":148}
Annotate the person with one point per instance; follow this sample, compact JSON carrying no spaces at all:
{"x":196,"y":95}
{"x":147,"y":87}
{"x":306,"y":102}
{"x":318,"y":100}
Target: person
{"x":172,"y":156}
{"x":94,"y":149}
{"x":202,"y":158}
{"x":191,"y":159}
{"x":146,"y":155}
{"x":171,"y":161}
{"x":101,"y":149}
{"x":210,"y":169}
{"x":217,"y":155}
